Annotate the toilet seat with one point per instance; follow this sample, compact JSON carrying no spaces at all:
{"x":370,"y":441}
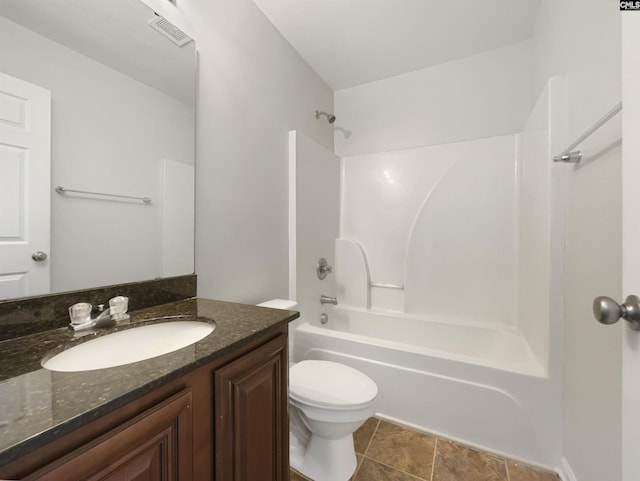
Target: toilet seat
{"x":330,"y":385}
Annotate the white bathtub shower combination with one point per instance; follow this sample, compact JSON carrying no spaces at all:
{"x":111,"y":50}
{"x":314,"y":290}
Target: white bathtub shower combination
{"x":446,"y":276}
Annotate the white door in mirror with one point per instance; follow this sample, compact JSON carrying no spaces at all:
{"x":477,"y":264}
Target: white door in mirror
{"x":25,"y":164}
{"x":132,"y":345}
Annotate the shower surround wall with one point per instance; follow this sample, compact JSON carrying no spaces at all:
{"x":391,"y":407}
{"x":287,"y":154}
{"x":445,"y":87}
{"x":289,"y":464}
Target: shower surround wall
{"x":314,"y":206}
{"x":457,"y":233}
{"x":439,"y":221}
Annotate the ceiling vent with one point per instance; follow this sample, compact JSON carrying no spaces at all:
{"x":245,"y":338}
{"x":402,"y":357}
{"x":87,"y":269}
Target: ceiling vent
{"x":169,"y":30}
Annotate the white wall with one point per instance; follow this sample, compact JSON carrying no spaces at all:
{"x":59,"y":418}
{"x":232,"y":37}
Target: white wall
{"x":100,"y":143}
{"x":485,"y":95}
{"x":177,"y":182}
{"x":253,"y":89}
{"x":581,"y":39}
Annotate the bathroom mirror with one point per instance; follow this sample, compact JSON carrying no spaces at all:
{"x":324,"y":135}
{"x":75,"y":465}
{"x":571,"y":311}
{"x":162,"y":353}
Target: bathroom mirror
{"x":122,"y":122}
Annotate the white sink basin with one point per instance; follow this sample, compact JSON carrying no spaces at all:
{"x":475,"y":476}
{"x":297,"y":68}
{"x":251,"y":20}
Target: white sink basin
{"x":131,"y":345}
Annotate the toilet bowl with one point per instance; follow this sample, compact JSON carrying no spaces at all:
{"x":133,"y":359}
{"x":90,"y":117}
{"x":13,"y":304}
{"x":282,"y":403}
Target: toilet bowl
{"x":328,"y":401}
{"x":331,"y":400}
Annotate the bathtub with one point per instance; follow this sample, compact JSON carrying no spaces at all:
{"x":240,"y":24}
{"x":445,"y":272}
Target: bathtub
{"x":478,"y":385}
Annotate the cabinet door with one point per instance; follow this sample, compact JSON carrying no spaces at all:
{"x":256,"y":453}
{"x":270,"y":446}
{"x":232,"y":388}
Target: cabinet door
{"x":252,"y":425}
{"x":154,"y":446}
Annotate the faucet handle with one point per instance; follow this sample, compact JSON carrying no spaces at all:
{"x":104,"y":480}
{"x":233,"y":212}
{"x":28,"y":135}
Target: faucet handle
{"x":80,"y":313}
{"x":119,"y":306}
{"x":323,"y":268}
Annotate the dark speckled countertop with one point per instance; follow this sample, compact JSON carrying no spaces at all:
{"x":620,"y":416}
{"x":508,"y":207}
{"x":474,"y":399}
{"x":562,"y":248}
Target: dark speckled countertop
{"x":38,"y":405}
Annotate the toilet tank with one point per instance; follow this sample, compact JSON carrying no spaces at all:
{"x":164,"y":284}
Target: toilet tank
{"x":279,"y":304}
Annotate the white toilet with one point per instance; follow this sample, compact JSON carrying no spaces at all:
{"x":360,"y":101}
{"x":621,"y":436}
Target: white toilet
{"x":329,"y":401}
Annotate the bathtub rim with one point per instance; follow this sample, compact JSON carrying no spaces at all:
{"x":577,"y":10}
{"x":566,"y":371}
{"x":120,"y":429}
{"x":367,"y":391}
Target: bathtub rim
{"x":533,"y":369}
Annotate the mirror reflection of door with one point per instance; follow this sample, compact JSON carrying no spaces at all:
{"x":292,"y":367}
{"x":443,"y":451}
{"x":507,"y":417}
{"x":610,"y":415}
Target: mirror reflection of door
{"x":25,"y":164}
{"x":123,"y":123}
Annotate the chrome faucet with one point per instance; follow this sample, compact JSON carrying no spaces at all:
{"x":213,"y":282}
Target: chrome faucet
{"x":81,"y":319}
{"x":102,"y":319}
{"x":328,"y":300}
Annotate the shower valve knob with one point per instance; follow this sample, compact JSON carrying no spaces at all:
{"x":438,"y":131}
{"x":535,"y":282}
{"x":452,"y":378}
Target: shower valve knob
{"x":608,"y":311}
{"x":323,"y":268}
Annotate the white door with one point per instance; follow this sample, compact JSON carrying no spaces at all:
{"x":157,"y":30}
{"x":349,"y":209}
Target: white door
{"x":25,"y":158}
{"x":631,"y":242}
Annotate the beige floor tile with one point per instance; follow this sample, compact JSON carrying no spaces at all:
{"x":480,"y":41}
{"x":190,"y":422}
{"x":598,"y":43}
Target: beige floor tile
{"x":362,"y":436}
{"x":403,"y":449}
{"x":372,"y":471}
{"x":522,"y":472}
{"x":396,"y":453}
{"x":458,"y":463}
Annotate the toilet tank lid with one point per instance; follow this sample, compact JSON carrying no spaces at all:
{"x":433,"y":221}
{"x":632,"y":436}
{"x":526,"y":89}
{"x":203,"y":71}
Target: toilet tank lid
{"x":330,"y":383}
{"x":279,"y":304}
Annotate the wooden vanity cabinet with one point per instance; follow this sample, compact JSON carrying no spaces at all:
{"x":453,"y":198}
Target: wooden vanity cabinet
{"x":225,"y":421}
{"x":251,"y":405}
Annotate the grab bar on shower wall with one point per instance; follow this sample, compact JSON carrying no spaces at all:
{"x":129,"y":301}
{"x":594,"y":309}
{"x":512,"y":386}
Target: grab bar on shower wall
{"x":569,"y":155}
{"x":388,"y":286}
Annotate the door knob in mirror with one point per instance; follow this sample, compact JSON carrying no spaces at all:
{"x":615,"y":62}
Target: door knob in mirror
{"x":39,"y":256}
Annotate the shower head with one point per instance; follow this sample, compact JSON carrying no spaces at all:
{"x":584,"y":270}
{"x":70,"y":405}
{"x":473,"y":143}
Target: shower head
{"x":330,"y":117}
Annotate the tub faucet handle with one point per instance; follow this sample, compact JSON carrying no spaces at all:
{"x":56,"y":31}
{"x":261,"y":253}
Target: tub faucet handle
{"x":323,"y":268}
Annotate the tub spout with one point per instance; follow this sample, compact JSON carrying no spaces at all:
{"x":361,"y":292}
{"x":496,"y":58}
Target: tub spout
{"x":328,"y":300}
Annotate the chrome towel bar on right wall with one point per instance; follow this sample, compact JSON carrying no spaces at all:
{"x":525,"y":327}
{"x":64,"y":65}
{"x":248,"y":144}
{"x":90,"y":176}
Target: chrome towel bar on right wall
{"x":568,"y":155}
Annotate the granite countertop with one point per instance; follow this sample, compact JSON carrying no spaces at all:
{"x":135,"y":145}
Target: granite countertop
{"x":38,"y":405}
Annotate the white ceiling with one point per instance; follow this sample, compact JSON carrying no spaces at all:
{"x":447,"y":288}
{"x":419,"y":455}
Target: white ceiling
{"x":352,"y":42}
{"x":115,"y":33}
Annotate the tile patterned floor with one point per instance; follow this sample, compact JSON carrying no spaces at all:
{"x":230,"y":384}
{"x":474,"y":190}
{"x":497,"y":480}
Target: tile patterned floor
{"x":388,"y":452}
